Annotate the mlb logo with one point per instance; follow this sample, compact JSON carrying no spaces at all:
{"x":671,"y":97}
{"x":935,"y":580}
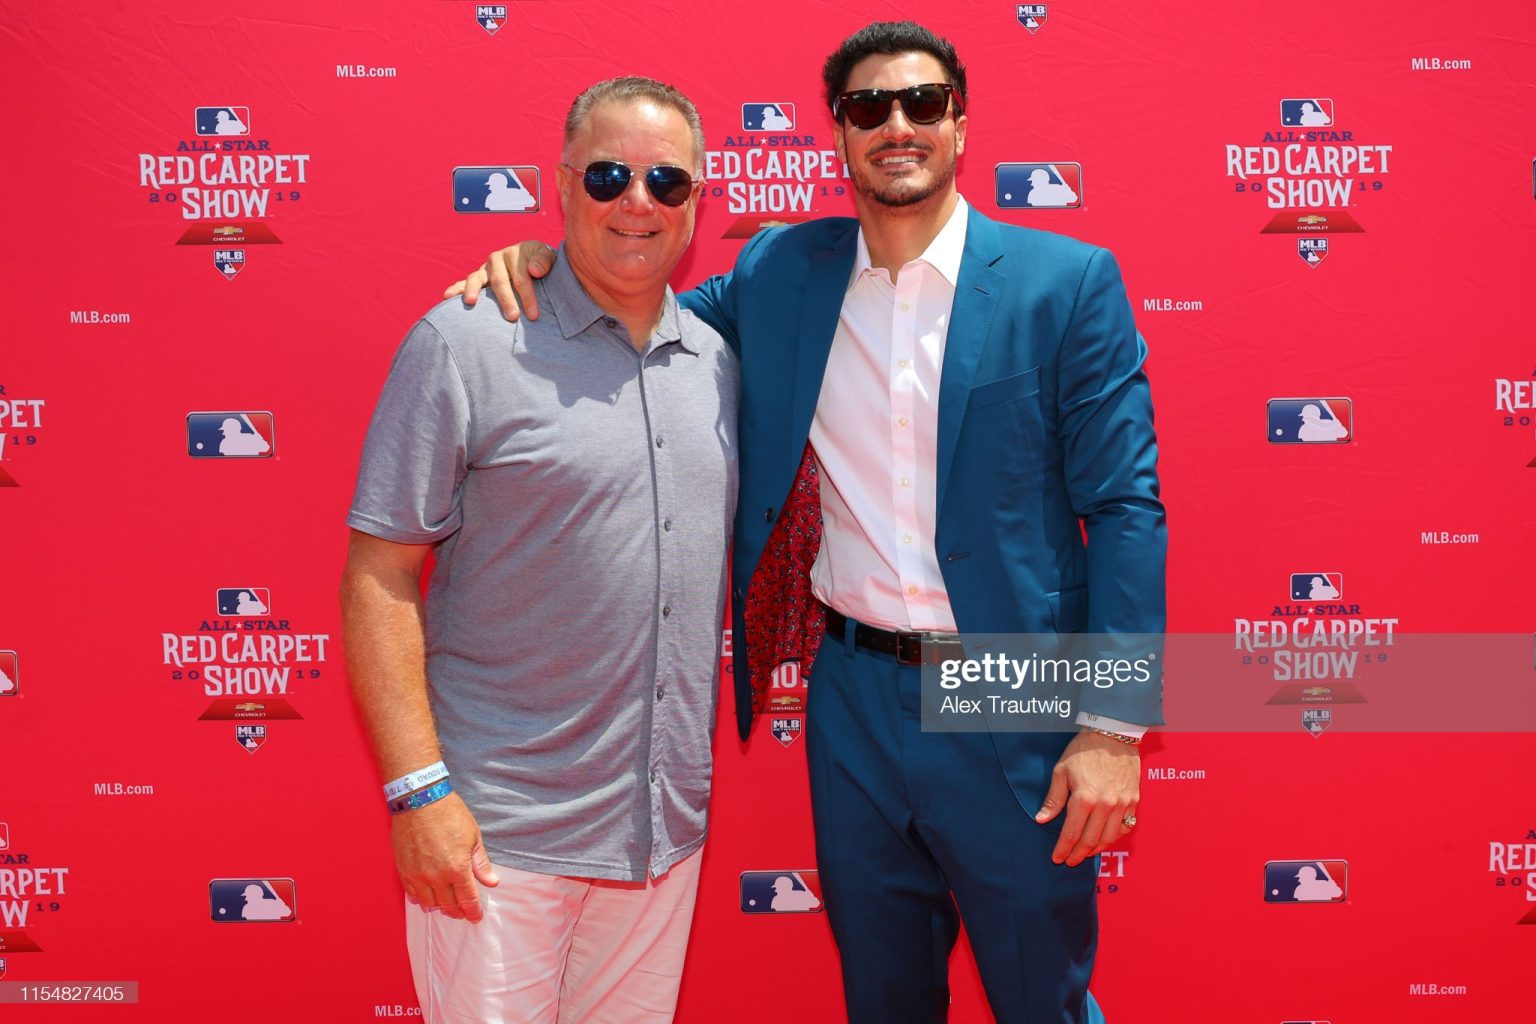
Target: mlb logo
{"x":1306,"y":113}
{"x":10,"y":674}
{"x":1053,"y":186}
{"x":768,"y":117}
{"x":250,"y":737}
{"x":1317,"y":586}
{"x":1031,"y":16}
{"x":229,"y":262}
{"x":780,"y":892}
{"x":2,"y":966}
{"x":1311,"y":421}
{"x":5,"y":836}
{"x":244,"y":601}
{"x":1316,"y":720}
{"x":229,"y":435}
{"x":496,"y":189}
{"x":1312,"y":250}
{"x":250,"y":900}
{"x":491,"y":16}
{"x":1306,"y":881}
{"x":223,"y":120}
{"x":786,"y":730}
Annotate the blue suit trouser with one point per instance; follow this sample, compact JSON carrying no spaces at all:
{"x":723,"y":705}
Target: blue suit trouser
{"x":916,"y":831}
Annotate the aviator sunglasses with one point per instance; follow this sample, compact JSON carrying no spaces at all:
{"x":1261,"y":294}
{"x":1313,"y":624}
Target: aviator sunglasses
{"x":606,"y":180}
{"x":921,"y":104}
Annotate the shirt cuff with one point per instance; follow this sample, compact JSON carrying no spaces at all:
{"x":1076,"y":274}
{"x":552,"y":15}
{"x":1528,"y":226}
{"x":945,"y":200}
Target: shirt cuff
{"x":1093,"y":721}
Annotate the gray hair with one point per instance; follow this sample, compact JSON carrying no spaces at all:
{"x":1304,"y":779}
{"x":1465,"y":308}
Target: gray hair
{"x":631,"y":89}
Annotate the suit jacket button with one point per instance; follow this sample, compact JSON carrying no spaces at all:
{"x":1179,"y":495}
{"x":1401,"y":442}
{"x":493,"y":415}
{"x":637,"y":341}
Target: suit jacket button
{"x":768,"y":515}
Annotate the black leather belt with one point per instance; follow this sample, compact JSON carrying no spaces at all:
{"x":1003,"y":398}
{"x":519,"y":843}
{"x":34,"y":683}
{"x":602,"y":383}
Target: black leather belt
{"x":909,"y":648}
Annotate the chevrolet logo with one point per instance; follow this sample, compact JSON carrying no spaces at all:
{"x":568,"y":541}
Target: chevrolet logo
{"x":1317,"y":691}
{"x":249,"y":706}
{"x":1312,"y":218}
{"x":228,"y":229}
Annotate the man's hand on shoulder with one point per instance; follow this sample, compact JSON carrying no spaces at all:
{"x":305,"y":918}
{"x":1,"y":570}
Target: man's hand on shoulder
{"x":510,"y":273}
{"x":1098,"y":782}
{"x":440,"y":857}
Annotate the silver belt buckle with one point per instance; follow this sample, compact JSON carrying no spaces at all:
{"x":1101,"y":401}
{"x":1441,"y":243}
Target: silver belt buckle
{"x":936,"y":647}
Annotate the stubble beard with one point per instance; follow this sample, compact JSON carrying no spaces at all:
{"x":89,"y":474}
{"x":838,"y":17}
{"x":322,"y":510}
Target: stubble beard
{"x":898,"y":194}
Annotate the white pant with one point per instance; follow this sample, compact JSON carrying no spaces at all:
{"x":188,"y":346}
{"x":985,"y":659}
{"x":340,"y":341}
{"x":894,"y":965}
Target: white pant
{"x":557,"y":950}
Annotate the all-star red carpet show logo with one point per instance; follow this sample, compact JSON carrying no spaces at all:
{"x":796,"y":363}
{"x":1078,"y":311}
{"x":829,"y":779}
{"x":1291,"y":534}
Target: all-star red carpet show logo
{"x":31,"y":895}
{"x":248,"y":660}
{"x":1313,"y":174}
{"x":1314,"y":645}
{"x":775,"y":171}
{"x":1514,"y":400}
{"x":21,"y":422}
{"x":225,"y":180}
{"x":1513,"y":866}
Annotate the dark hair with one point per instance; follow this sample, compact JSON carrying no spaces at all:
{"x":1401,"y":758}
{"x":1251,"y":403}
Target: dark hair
{"x":890,"y":37}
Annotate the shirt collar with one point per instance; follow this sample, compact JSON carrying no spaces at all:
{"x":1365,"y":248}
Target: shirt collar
{"x":575,"y":311}
{"x":943,"y":254}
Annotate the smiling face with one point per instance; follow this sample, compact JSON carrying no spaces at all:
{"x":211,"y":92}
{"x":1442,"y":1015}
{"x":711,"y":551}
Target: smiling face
{"x":900,"y":164}
{"x":630,"y":244}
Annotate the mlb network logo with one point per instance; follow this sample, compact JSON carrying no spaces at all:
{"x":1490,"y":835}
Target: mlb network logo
{"x":786,"y":730}
{"x":1312,"y":249}
{"x":244,"y":601}
{"x":1306,"y":881}
{"x":229,"y":262}
{"x":1317,"y":720}
{"x":1317,"y":586}
{"x":223,"y":120}
{"x":491,"y":16}
{"x":5,"y":836}
{"x":1311,"y":421}
{"x":248,"y":900}
{"x":780,"y":892}
{"x":496,"y":189}
{"x":229,"y":435}
{"x":1306,"y":113}
{"x":10,"y":674}
{"x":1053,"y":186}
{"x":768,"y":117}
{"x":1031,"y":16}
{"x":250,"y":737}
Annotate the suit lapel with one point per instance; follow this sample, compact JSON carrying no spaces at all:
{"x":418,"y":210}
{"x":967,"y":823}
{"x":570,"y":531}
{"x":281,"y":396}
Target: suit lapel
{"x":976,"y":297}
{"x":821,"y":299}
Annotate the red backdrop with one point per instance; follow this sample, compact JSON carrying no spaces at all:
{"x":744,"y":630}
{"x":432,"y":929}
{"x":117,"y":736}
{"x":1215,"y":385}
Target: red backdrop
{"x":122,"y":322}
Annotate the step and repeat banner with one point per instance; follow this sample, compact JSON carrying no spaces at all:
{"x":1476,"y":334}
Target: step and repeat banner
{"x":222,"y":218}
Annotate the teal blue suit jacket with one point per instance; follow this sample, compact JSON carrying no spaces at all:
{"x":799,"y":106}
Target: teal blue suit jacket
{"x":1045,"y":422}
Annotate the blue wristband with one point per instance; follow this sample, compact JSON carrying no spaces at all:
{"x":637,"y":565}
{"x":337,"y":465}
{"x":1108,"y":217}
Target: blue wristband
{"x":421,"y":797}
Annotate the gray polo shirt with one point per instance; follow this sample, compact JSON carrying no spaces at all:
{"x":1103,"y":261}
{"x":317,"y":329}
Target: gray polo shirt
{"x":580,"y":496}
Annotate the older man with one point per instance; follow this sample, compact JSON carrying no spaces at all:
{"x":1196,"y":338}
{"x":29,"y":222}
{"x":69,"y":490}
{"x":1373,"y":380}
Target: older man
{"x":546,"y":717}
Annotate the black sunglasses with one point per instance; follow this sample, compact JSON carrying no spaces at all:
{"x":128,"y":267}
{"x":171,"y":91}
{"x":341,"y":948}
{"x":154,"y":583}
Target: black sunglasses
{"x":606,"y":180}
{"x":920,"y":104}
